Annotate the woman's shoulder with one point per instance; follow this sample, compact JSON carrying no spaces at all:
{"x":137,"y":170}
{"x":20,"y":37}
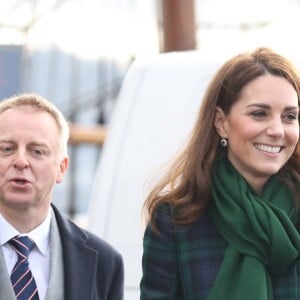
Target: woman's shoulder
{"x":202,"y":226}
{"x":200,"y":233}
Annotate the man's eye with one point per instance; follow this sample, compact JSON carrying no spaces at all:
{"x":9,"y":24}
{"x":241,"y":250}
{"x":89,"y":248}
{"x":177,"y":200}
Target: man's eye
{"x":38,"y":152}
{"x":6,"y":149}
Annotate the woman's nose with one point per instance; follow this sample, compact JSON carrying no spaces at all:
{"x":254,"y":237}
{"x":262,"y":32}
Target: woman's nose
{"x":276,"y":127}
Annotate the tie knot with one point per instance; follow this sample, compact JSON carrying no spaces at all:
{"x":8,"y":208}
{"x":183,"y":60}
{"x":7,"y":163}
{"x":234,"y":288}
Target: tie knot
{"x":22,"y":245}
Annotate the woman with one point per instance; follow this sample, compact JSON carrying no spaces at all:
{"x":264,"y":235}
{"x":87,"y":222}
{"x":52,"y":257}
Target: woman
{"x":222,"y":224}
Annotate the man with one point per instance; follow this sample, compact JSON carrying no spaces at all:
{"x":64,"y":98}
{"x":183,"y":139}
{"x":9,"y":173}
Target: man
{"x":66,"y":262}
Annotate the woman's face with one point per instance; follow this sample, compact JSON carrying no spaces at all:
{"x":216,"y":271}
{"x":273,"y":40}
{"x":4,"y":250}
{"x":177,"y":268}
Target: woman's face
{"x":262,"y":128}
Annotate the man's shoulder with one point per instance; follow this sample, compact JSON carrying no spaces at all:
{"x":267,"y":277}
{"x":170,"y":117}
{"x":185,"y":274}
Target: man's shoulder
{"x":99,"y":244}
{"x":83,"y":236}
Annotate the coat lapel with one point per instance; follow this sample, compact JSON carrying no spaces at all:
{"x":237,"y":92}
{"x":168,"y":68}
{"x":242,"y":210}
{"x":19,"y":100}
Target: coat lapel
{"x":6,"y":290}
{"x":78,"y":259}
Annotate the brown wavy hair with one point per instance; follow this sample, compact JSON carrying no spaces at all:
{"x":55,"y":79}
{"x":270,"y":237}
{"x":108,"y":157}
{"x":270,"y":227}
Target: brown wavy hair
{"x":187,"y":185}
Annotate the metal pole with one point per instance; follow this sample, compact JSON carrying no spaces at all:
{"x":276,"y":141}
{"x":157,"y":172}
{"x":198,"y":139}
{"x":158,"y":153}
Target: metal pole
{"x":178,"y":21}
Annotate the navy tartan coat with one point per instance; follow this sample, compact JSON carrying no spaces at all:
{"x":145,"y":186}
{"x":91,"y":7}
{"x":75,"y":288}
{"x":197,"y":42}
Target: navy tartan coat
{"x":182,"y":263}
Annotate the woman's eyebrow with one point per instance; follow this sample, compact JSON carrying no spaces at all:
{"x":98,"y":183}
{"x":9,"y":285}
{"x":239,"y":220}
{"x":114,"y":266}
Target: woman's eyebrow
{"x":267,"y":106}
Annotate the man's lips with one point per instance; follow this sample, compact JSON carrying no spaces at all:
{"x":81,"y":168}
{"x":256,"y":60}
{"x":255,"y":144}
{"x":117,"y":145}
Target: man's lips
{"x":19,"y":180}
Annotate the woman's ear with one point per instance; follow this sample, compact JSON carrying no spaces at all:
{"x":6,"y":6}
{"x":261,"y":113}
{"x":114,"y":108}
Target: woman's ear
{"x":220,"y":120}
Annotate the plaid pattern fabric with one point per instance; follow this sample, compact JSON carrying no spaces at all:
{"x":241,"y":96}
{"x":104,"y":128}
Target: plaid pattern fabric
{"x":182,"y":263}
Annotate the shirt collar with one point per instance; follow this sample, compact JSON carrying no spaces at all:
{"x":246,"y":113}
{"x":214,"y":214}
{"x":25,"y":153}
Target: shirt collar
{"x":40,"y":235}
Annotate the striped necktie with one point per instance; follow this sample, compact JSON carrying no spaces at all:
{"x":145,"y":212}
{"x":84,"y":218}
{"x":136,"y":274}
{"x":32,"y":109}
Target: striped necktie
{"x":21,"y":277}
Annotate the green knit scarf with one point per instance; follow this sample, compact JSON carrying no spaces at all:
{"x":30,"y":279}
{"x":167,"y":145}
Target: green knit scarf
{"x":260,"y":231}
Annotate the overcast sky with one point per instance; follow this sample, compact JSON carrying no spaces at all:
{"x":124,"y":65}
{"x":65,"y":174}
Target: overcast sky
{"x":118,"y":27}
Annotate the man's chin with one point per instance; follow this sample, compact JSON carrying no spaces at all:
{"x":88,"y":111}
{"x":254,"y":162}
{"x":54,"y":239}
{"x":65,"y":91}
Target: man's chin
{"x":18,"y":202}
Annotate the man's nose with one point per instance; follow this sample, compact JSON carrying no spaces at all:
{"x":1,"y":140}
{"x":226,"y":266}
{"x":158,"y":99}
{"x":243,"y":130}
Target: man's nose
{"x":20,"y":161}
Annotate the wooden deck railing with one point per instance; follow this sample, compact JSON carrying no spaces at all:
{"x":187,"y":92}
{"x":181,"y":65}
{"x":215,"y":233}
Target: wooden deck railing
{"x":87,"y":134}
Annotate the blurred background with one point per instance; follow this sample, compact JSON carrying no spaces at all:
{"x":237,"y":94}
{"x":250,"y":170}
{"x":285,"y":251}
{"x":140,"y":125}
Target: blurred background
{"x":76,"y":53}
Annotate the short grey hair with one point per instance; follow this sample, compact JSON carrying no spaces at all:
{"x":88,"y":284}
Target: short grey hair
{"x":39,"y":103}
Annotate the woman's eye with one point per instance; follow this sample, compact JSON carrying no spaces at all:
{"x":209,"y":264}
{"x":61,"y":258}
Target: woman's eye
{"x":291,"y":117}
{"x":259,"y":113}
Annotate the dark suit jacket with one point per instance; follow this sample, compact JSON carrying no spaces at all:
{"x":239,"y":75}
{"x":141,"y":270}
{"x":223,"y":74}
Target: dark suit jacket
{"x":93,"y":270}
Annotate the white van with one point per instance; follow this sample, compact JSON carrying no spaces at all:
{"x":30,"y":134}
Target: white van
{"x":156,"y":109}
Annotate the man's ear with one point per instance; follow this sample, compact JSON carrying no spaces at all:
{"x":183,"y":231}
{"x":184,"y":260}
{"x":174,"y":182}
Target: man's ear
{"x":220,"y":120}
{"x":63,"y":166}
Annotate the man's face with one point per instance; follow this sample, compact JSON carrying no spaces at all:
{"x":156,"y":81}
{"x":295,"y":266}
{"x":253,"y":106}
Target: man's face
{"x":30,"y":160}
